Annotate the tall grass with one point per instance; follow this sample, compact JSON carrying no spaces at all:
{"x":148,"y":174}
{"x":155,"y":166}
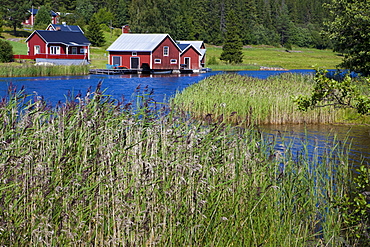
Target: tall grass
{"x":245,"y":100}
{"x":92,"y":172}
{"x":32,"y":70}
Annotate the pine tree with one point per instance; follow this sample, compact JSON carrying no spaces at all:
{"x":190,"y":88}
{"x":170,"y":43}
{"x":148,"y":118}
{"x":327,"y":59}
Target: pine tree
{"x":232,"y":49}
{"x":94,"y":33}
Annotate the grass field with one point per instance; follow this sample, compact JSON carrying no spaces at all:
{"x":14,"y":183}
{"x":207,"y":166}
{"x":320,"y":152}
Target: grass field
{"x":298,"y":58}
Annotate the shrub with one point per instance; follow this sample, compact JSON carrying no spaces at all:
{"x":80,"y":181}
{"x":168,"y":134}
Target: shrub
{"x":6,"y":51}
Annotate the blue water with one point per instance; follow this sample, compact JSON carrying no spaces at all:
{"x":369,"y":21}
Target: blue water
{"x":55,"y":88}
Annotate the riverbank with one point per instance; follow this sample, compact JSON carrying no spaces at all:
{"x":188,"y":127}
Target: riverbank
{"x":245,"y":101}
{"x":92,"y":171}
{"x":30,"y":69}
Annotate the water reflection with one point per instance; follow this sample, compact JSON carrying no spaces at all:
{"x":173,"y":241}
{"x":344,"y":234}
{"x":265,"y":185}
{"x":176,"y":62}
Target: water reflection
{"x":317,"y":138}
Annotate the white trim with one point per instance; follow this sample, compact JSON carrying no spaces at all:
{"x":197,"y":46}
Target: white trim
{"x":36,"y":49}
{"x":157,"y":61}
{"x":138,"y":64}
{"x":173,"y":61}
{"x":120,"y":60}
{"x":166,"y":51}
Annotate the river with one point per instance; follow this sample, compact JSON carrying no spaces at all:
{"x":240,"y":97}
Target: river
{"x":55,"y":88}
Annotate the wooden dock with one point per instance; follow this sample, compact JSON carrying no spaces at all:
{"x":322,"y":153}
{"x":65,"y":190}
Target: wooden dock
{"x":113,"y":71}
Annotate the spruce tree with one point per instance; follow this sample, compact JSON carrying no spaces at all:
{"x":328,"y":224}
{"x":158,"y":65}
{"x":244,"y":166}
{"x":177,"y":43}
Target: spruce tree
{"x":94,"y":33}
{"x":233,"y":46}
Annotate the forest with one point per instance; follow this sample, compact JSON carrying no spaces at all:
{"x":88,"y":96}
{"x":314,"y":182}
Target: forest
{"x":260,"y":22}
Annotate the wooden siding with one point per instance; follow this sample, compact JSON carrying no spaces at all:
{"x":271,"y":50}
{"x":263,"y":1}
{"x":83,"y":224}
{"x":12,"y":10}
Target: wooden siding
{"x":174,"y":53}
{"x":194,"y":58}
{"x":144,"y":57}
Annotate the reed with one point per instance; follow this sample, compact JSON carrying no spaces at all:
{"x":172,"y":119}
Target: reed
{"x":32,"y":70}
{"x":91,"y":171}
{"x":237,"y":99}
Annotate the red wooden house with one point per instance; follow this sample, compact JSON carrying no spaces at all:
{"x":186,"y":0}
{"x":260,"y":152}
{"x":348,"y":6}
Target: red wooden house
{"x":152,"y":52}
{"x":57,"y":47}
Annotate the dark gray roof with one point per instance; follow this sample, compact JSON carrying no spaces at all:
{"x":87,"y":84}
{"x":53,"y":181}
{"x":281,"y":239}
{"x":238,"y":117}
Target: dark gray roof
{"x":65,"y":37}
{"x":71,"y":28}
{"x":183,"y":46}
{"x":35,"y":10}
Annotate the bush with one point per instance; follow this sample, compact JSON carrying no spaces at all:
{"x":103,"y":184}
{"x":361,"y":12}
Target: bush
{"x":6,"y":51}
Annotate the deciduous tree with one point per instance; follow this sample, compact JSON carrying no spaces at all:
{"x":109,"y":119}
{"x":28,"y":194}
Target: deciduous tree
{"x":15,"y":12}
{"x":42,"y":18}
{"x":350,"y":34}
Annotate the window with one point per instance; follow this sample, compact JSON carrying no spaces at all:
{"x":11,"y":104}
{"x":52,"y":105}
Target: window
{"x":173,"y":61}
{"x":134,"y":53}
{"x":55,"y":50}
{"x":37,"y":49}
{"x":157,"y":60}
{"x":74,"y":50}
{"x":82,"y":50}
{"x":165,"y":50}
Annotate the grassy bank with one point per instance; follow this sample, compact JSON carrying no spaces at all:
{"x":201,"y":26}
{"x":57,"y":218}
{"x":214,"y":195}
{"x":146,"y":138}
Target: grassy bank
{"x":26,"y":69}
{"x":246,"y":101}
{"x":257,"y":56}
{"x":92,"y":172}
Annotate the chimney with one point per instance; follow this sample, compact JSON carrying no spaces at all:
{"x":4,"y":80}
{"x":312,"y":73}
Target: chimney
{"x":126,"y":29}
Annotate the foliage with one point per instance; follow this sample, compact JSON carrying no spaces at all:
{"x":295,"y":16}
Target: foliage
{"x":341,"y":93}
{"x":103,"y":16}
{"x":94,"y":33}
{"x":42,"y":18}
{"x":15,"y":12}
{"x":349,"y":33}
{"x":84,"y":10}
{"x":232,"y":49}
{"x":355,"y":208}
{"x":6,"y":51}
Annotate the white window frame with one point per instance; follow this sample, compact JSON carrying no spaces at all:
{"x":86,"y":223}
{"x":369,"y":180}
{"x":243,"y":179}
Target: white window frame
{"x":173,"y":61}
{"x":157,"y":61}
{"x":134,"y":53}
{"x":37,"y":49}
{"x":74,"y":50}
{"x":166,"y":51}
{"x":55,"y":50}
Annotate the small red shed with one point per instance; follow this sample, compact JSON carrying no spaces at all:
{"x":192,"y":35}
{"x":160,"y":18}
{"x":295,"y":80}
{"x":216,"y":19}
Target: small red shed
{"x":190,"y":57}
{"x":155,"y":52}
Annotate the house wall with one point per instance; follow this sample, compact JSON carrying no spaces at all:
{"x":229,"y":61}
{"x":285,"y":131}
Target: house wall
{"x":194,"y":58}
{"x":144,"y":57}
{"x":174,"y":53}
{"x":33,"y":41}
